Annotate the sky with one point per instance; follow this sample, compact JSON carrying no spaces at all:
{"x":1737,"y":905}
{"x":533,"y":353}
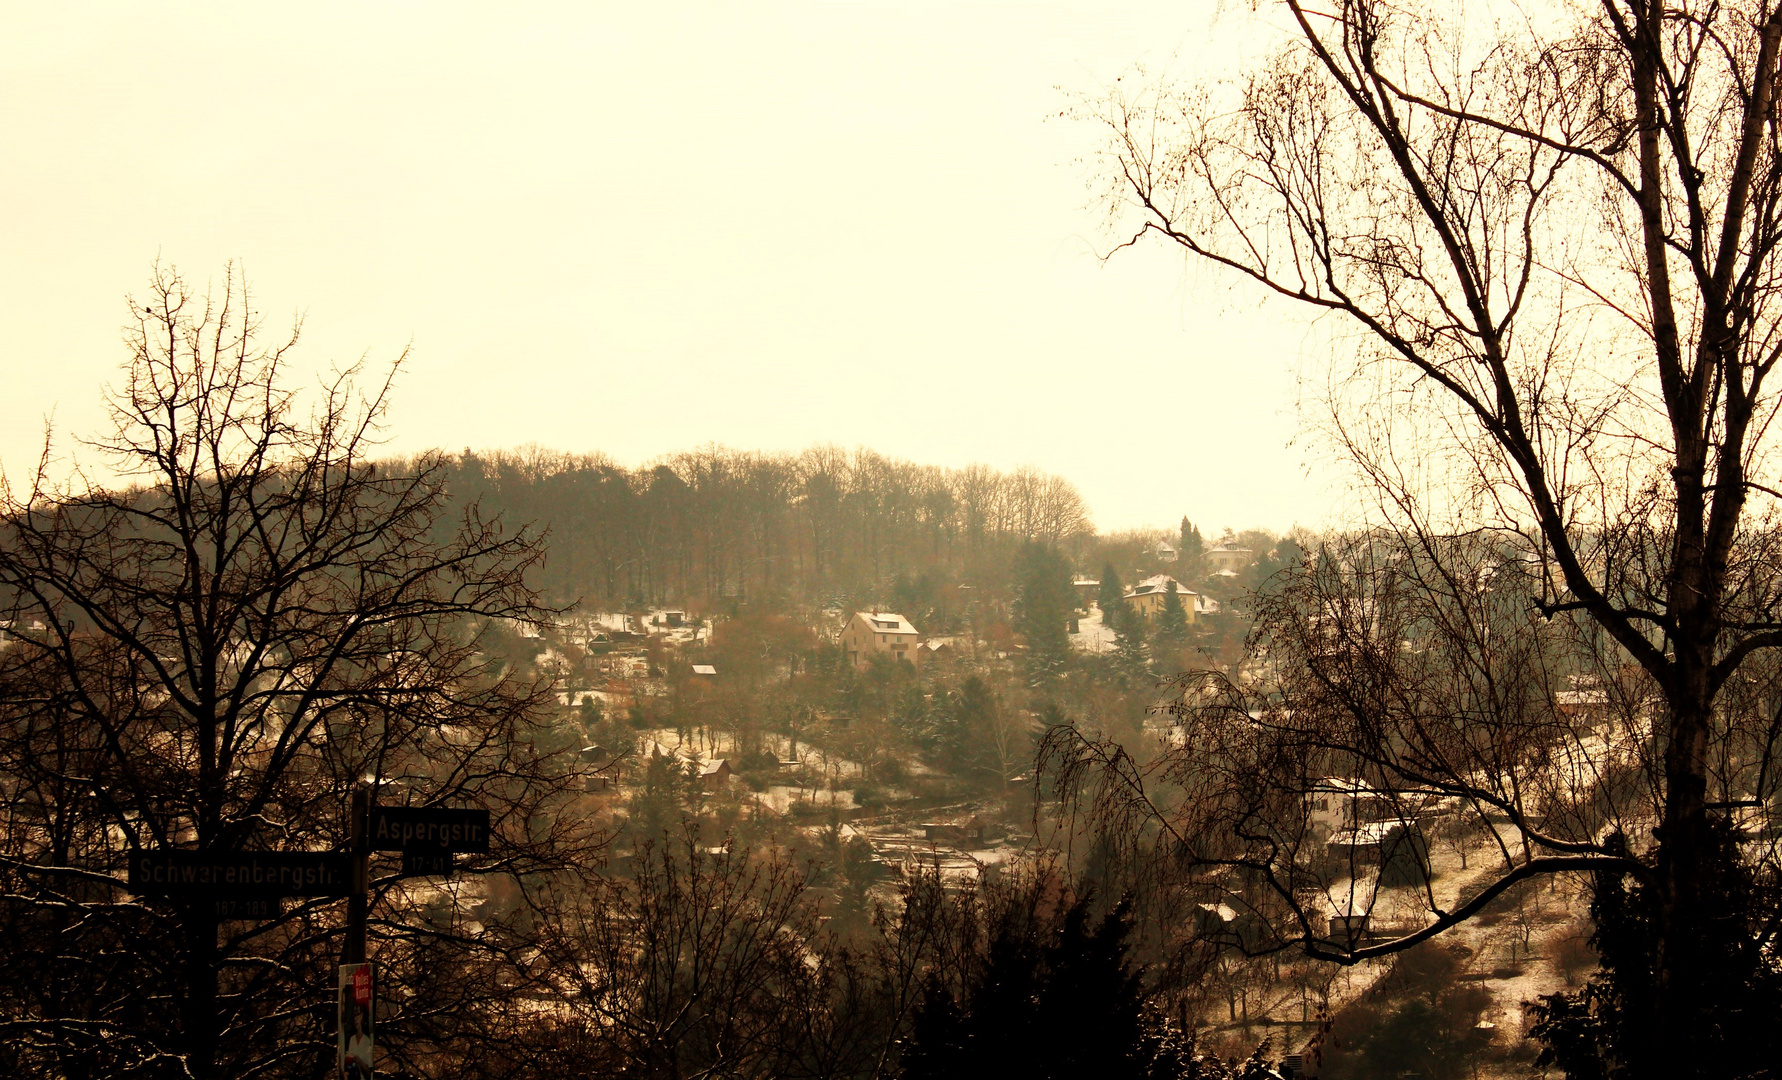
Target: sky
{"x":635,"y":229}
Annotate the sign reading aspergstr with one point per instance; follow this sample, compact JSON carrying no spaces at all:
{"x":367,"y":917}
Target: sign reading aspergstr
{"x":399,"y":828}
{"x":240,"y":873}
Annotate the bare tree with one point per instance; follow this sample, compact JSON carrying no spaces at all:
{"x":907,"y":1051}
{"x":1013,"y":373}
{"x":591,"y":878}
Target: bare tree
{"x":1549,"y":240}
{"x":207,"y":655}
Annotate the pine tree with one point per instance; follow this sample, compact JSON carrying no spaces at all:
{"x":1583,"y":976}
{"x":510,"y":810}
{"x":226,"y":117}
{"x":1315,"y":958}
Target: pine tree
{"x":1172,"y":624}
{"x":1193,"y":547}
{"x":1053,"y":998}
{"x":1609,"y":1027}
{"x":1090,"y":985}
{"x":1044,"y":600}
{"x":1130,"y":654}
{"x":1109,"y":596}
{"x":936,"y":1036}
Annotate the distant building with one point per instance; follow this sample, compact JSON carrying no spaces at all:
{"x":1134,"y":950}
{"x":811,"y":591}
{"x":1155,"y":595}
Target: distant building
{"x":936,"y":649}
{"x":1337,"y":803}
{"x":705,"y":670}
{"x":1086,"y":591}
{"x":1164,"y":552}
{"x":1587,"y":701}
{"x":714,"y":775}
{"x":975,"y":832}
{"x":1228,"y":561}
{"x":1148,"y":597}
{"x":879,"y":633}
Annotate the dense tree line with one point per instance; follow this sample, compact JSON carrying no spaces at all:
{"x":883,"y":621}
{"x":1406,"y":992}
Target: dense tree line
{"x":721,"y":528}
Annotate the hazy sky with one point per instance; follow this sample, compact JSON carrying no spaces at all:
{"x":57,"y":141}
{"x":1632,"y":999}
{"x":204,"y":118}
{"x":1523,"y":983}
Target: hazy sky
{"x":639,"y":228}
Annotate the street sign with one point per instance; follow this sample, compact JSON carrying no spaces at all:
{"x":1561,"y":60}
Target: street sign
{"x":231,"y":875}
{"x":426,"y":862}
{"x":355,"y":1015}
{"x":400,"y":828}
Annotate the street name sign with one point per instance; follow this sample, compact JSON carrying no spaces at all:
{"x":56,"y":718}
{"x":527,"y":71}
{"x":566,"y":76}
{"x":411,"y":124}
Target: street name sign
{"x":240,"y":874}
{"x":401,"y":828}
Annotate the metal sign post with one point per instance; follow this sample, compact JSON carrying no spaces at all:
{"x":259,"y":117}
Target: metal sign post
{"x":359,"y":898}
{"x":250,"y":884}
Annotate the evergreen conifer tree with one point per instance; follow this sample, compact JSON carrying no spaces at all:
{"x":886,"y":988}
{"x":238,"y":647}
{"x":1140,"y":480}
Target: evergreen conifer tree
{"x":935,"y":1045}
{"x":1172,"y":623}
{"x":1053,"y":998}
{"x":1044,"y":600}
{"x":1108,"y":598}
{"x":1193,"y":547}
{"x":1130,"y":653}
{"x":1609,"y":1027}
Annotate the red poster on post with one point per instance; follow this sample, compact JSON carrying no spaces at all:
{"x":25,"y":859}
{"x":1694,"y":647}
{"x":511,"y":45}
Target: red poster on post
{"x":357,"y":1008}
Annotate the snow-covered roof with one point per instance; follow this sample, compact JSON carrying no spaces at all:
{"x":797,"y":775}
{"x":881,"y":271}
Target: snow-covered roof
{"x":1160,"y":583}
{"x":1576,"y":698}
{"x":655,"y":748}
{"x":1367,"y":834}
{"x":704,"y":669}
{"x":886,"y":622}
{"x":1343,"y":785}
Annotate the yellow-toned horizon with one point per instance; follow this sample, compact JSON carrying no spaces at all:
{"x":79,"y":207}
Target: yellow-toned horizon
{"x":637,"y":229}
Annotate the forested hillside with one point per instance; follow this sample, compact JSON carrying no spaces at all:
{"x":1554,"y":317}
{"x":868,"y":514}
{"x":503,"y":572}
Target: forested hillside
{"x":717,"y":527}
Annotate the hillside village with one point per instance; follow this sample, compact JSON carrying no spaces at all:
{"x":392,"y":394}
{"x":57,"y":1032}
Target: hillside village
{"x":877,"y":750}
{"x":840,"y":716}
{"x":862,"y":716}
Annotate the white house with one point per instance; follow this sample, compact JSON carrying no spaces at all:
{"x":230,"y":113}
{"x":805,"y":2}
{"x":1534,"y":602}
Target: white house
{"x":880,"y":633}
{"x":1338,"y":803}
{"x":1228,"y":561}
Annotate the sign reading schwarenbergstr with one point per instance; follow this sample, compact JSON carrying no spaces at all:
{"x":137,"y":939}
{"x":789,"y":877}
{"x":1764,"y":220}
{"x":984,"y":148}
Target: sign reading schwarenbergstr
{"x":401,"y":828}
{"x":240,"y":873}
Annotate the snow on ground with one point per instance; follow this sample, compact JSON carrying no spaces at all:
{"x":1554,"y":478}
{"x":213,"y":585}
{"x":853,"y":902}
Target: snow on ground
{"x":780,"y":798}
{"x":1514,"y":950}
{"x":815,"y":758}
{"x":706,"y":744}
{"x":1091,"y":635}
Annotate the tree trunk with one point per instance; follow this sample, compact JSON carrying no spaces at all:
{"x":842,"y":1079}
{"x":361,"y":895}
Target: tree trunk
{"x":199,"y":1009}
{"x":1681,"y":842}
